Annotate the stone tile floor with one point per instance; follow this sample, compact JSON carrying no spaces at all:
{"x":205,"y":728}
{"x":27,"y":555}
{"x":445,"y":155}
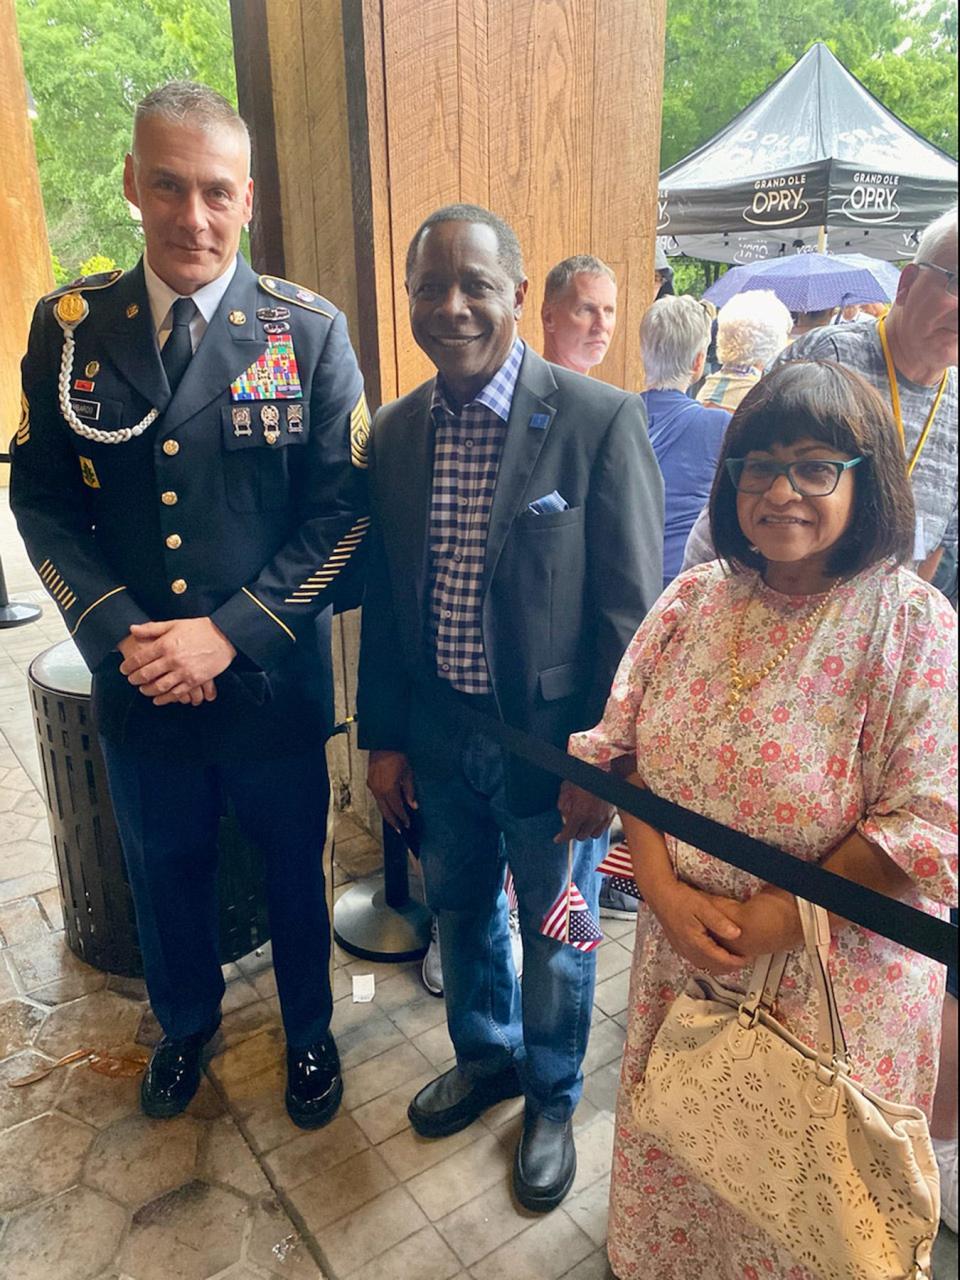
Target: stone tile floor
{"x":92,"y":1190}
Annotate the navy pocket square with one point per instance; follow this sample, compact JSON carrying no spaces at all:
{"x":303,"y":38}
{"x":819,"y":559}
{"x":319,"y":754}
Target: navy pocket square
{"x":549,"y":502}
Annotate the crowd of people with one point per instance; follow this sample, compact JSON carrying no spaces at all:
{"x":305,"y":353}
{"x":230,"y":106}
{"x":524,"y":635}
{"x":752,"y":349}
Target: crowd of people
{"x":738,"y":599}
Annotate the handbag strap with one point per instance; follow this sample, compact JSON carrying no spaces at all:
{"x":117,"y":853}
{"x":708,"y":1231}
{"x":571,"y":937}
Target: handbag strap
{"x":767,"y":974}
{"x":765,"y":982}
{"x":831,"y":1042}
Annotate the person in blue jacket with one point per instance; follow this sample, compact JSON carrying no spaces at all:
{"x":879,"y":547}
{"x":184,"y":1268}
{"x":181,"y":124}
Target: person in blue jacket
{"x":686,"y":437}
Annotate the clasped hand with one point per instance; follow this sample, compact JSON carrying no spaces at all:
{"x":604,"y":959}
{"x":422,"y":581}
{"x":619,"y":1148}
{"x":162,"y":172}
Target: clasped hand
{"x":177,"y":660}
{"x":721,"y":935}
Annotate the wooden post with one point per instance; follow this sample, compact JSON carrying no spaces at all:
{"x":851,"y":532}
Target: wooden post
{"x":372,"y":113}
{"x":27,"y":270}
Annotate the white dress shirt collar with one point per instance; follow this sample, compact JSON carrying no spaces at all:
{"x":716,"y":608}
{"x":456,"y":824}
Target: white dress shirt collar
{"x":162,"y":298}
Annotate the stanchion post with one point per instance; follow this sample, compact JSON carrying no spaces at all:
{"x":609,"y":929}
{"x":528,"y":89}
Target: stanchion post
{"x":376,"y":919}
{"x":13,"y":613}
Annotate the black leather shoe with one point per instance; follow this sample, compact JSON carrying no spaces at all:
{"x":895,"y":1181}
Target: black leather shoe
{"x":452,"y":1101}
{"x":314,"y":1083}
{"x":173,"y":1073}
{"x":546,"y":1163}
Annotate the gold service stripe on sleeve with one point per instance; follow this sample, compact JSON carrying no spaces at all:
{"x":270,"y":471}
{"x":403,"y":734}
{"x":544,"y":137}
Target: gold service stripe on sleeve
{"x":90,"y":607}
{"x":339,"y":556}
{"x":282,"y":625}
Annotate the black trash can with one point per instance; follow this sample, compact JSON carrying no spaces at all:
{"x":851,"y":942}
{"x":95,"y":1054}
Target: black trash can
{"x":97,"y":904}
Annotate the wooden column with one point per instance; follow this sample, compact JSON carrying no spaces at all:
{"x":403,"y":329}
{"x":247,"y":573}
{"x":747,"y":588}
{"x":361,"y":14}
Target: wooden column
{"x":369,"y":114}
{"x":26,"y":270}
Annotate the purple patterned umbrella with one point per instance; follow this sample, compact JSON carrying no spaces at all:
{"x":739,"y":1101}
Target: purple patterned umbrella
{"x":809,"y":281}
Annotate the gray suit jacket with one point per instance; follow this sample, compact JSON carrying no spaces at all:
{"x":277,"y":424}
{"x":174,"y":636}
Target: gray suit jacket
{"x":563,"y":593}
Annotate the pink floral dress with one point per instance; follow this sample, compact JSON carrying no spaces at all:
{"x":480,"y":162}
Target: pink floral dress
{"x":855,"y":728}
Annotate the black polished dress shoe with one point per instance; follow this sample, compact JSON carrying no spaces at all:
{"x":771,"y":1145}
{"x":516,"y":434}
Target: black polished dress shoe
{"x":452,"y":1101}
{"x":546,"y":1163}
{"x":314,"y":1083}
{"x":173,"y":1073}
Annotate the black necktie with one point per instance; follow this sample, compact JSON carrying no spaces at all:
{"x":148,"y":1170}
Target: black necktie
{"x":178,"y":349}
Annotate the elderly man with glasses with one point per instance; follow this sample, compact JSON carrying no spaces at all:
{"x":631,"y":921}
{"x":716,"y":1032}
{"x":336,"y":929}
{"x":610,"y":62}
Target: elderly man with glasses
{"x":910,"y":356}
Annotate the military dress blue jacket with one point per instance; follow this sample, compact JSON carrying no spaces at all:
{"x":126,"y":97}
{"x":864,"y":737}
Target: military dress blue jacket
{"x":243,"y":500}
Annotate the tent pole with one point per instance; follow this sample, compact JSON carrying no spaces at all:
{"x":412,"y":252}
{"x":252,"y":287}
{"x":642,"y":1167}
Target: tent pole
{"x":822,"y":240}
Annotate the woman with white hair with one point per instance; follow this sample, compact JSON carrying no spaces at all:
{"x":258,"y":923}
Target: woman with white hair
{"x":686,"y":437}
{"x":753,"y":328}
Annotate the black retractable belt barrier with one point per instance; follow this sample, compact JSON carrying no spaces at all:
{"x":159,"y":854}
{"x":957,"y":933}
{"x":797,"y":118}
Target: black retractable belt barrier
{"x":894,"y":920}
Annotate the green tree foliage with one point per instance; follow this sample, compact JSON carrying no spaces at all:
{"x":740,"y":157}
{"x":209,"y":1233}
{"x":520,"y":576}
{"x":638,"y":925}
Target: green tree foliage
{"x":920,"y":85}
{"x":88,"y":62}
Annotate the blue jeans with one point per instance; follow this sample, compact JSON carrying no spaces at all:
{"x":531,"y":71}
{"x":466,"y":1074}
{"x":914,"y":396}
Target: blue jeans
{"x":168,"y":817}
{"x":545,"y":1027}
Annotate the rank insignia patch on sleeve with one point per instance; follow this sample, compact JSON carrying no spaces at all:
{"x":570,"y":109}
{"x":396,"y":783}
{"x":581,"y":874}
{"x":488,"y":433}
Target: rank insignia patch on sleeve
{"x":23,"y":428}
{"x":360,"y":433}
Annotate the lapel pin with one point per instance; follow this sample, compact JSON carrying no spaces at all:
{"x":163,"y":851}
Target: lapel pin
{"x":539,"y":421}
{"x":241,"y":421}
{"x":133,"y":310}
{"x":295,"y":419}
{"x":92,"y":369}
{"x":237,"y":317}
{"x":270,"y":417}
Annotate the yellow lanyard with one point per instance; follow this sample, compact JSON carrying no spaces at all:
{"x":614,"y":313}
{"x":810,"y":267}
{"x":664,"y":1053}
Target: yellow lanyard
{"x":895,"y":399}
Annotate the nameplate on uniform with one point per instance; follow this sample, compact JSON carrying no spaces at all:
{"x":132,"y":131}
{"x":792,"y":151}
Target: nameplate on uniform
{"x":274,"y":376}
{"x":86,"y":409}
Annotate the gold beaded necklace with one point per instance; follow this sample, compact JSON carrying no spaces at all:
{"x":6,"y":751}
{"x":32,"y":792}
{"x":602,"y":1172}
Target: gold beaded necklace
{"x":741,"y":684}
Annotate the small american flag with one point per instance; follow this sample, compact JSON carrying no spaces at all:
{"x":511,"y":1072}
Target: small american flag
{"x":569,"y":919}
{"x":618,"y":866}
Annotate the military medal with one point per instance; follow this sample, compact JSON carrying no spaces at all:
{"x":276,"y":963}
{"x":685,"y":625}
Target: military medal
{"x":295,"y":419}
{"x":92,"y":369}
{"x":241,"y":421}
{"x":274,"y":376}
{"x":276,"y":326}
{"x":83,"y":384}
{"x":273,"y":313}
{"x":270,"y":417}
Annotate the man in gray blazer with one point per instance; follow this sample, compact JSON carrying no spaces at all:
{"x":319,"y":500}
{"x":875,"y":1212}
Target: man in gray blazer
{"x":516,"y":546}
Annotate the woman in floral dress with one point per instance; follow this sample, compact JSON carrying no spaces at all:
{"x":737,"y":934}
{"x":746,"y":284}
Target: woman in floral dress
{"x":801,"y":691}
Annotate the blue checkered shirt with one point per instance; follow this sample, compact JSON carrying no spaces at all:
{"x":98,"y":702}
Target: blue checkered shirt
{"x":466,"y":458}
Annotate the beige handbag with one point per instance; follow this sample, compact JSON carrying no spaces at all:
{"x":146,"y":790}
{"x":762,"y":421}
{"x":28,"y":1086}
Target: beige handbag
{"x":846,"y":1182}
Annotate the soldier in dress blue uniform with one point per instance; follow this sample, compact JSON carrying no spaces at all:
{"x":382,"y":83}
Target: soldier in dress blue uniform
{"x":188,"y":476}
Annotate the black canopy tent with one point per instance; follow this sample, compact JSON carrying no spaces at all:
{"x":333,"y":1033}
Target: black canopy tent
{"x":815,"y":162}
